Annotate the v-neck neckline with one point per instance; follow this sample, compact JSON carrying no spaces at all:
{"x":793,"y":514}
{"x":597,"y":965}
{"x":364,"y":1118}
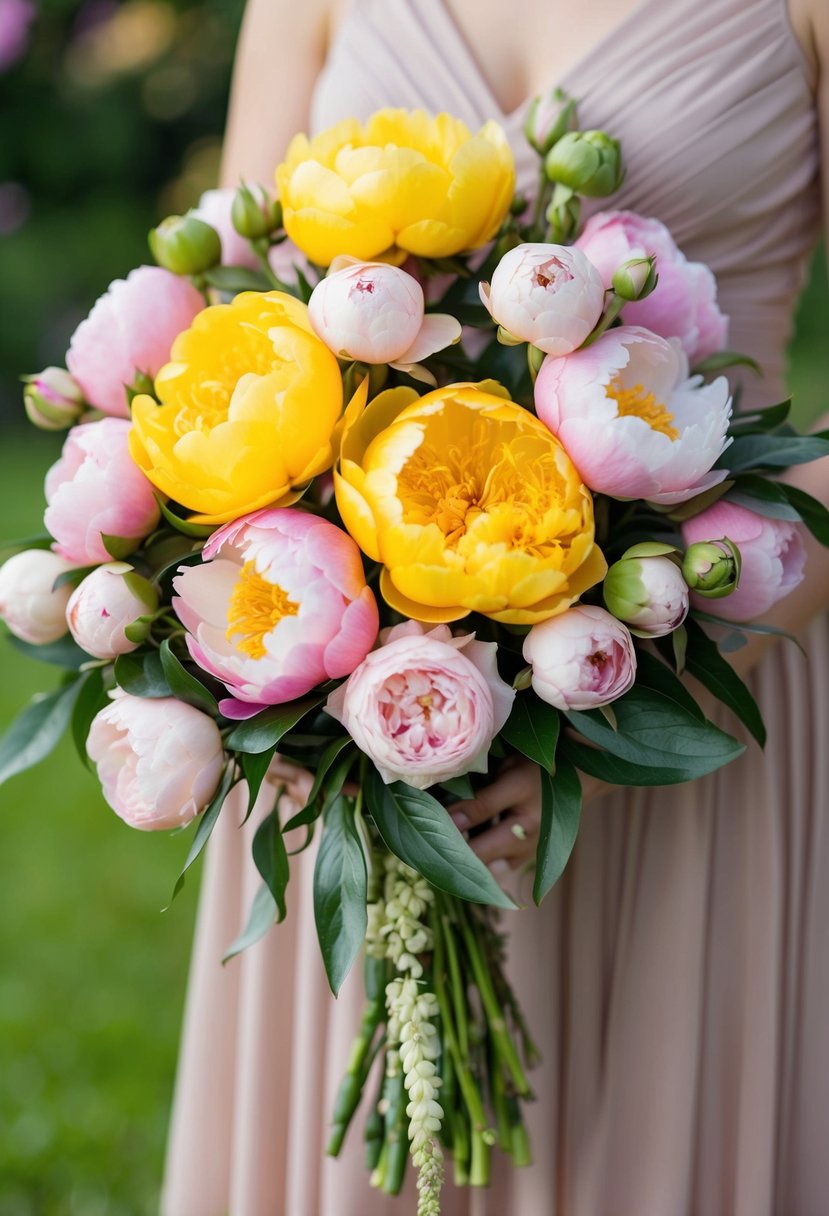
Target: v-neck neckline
{"x":467,"y":54}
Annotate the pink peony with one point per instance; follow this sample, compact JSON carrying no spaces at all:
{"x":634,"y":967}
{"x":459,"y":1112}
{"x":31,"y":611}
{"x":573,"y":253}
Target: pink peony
{"x":279,"y":605}
{"x":96,"y":489}
{"x":581,"y":659}
{"x":549,"y":295}
{"x":773,"y":558}
{"x":375,"y":313}
{"x":106,"y":603}
{"x":159,"y":760}
{"x":633,"y":423}
{"x":129,"y":331}
{"x":425,"y":707}
{"x":684,"y":302}
{"x":31,"y":606}
{"x":648,"y":593}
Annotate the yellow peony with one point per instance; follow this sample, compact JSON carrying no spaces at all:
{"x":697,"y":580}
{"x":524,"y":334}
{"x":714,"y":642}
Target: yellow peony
{"x":250,"y":401}
{"x":470,"y":504}
{"x":406,"y":182}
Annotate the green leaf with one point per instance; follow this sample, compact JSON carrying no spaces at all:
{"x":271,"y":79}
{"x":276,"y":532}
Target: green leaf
{"x":706,"y":664}
{"x":420,"y":832}
{"x":762,"y":496}
{"x":40,"y":540}
{"x":459,"y":787}
{"x":773,"y":451}
{"x":649,"y":548}
{"x":36,"y":731}
{"x":234,"y":279}
{"x":271,"y":859}
{"x":184,"y":685}
{"x":206,"y":823}
{"x":262,"y":915}
{"x":119,"y":547}
{"x":91,"y":699}
{"x":722,"y":359}
{"x":813,"y":513}
{"x":71,"y":578}
{"x":752,"y":422}
{"x":532,"y":729}
{"x":560,"y":815}
{"x":141,"y":674}
{"x":65,"y":652}
{"x":340,"y":892}
{"x":651,"y":673}
{"x":313,"y":807}
{"x":748,"y":627}
{"x":615,"y":771}
{"x":183,"y":525}
{"x":268,"y":727}
{"x":254,"y":767}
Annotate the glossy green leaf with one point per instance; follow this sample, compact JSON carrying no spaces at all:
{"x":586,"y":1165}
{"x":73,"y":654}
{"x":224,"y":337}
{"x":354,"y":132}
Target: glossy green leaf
{"x":706,"y":664}
{"x":91,"y":700}
{"x":762,"y":496}
{"x":39,"y":540}
{"x":71,"y":578}
{"x":615,"y":771}
{"x":65,"y":652}
{"x":722,"y":359}
{"x":652,"y":673}
{"x":747,"y":627}
{"x":774,"y":451}
{"x":206,"y":823}
{"x":254,"y":767}
{"x":420,"y":832}
{"x":760,"y":421}
{"x":36,"y":731}
{"x":271,"y":859}
{"x":260,"y":918}
{"x":183,"y":525}
{"x":328,"y":759}
{"x":234,"y":279}
{"x":119,"y":547}
{"x":268,"y":727}
{"x":532,"y":729}
{"x":184,"y":685}
{"x":813,"y":513}
{"x":340,"y":892}
{"x":141,"y":674}
{"x":459,"y":787}
{"x":560,"y":816}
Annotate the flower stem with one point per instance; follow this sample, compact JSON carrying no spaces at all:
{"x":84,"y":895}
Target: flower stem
{"x":479,"y":1164}
{"x":466,"y":1082}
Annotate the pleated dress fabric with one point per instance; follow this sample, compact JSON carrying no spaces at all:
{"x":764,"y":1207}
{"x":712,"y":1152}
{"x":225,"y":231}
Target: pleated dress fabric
{"x":677,"y":978}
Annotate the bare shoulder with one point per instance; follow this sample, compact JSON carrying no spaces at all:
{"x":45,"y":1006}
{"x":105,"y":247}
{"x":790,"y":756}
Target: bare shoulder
{"x":810,"y":22}
{"x":277,"y":18}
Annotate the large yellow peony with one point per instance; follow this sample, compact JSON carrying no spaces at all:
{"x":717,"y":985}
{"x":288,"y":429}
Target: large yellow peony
{"x":250,"y":401}
{"x":405,"y":182}
{"x":470,"y":504}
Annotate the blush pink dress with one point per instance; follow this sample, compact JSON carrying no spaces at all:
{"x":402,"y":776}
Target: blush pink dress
{"x":677,"y":978}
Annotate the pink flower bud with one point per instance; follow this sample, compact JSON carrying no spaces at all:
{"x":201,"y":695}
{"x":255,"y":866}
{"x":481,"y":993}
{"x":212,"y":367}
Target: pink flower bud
{"x":772,"y":554}
{"x":549,"y":295}
{"x":648,"y":593}
{"x":109,"y":601}
{"x":29,"y":603}
{"x":374,"y":313}
{"x":96,"y":489}
{"x":159,"y":760}
{"x":581,"y":659}
{"x":53,"y":399}
{"x":129,"y":331}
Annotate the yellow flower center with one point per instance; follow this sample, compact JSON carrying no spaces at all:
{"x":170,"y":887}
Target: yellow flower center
{"x":256,"y":608}
{"x":636,"y":402}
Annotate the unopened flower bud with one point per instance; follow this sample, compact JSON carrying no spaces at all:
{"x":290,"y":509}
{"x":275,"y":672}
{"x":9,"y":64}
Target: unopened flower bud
{"x":108,"y":612}
{"x":635,"y":279}
{"x":648,"y":593}
{"x":588,"y":162}
{"x":53,"y":399}
{"x":31,"y":605}
{"x":185,"y":244}
{"x":563,"y":216}
{"x":255,"y":213}
{"x":712,"y":568}
{"x":548,"y":119}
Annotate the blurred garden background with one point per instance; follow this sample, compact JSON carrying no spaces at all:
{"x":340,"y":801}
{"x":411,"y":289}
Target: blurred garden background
{"x":111,"y":116}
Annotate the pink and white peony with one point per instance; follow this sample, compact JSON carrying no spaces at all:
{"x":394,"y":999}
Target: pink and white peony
{"x":130,"y":331}
{"x":425,"y":706}
{"x":648,"y":593}
{"x":549,"y":295}
{"x":374,"y":313}
{"x":159,"y":760}
{"x":96,"y":489}
{"x":684,"y":302}
{"x":633,"y":422}
{"x":582,"y":659}
{"x":278,"y":605}
{"x":30,"y":604}
{"x":771,"y":550}
{"x":104,"y":605}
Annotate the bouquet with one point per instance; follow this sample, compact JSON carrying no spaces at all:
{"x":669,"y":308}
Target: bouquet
{"x":402,"y":478}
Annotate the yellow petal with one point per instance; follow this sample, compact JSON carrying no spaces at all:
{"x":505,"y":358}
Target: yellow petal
{"x":417,"y":612}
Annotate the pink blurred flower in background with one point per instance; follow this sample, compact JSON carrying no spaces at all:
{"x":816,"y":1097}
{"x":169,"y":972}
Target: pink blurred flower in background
{"x":581,"y":659}
{"x":30,"y":604}
{"x":15,"y":18}
{"x":772,"y":552}
{"x":684,"y":302}
{"x":278,"y":605}
{"x":159,"y":760}
{"x":214,"y":207}
{"x":425,"y":706}
{"x":96,"y":489}
{"x":130,"y":330}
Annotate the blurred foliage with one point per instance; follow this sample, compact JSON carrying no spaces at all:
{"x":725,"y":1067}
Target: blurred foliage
{"x":111,"y":119}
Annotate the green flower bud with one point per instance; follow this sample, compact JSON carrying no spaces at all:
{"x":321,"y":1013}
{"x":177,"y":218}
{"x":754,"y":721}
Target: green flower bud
{"x":53,"y":399}
{"x":563,"y":216}
{"x":588,"y":162}
{"x":712,"y":568}
{"x":255,"y":214}
{"x":635,"y":279}
{"x":185,"y":244}
{"x":548,"y":119}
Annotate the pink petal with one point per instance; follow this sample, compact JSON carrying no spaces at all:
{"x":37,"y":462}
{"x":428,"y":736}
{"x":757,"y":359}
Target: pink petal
{"x":438,"y":331}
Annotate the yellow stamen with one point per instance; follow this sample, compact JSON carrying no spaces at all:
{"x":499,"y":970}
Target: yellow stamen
{"x":256,"y":608}
{"x":636,"y":402}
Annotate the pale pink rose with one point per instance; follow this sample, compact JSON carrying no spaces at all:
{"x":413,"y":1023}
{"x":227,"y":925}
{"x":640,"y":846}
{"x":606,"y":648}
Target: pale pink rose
{"x":31,"y":606}
{"x":581,"y":659}
{"x":159,"y":760}
{"x":633,"y":422}
{"x":106,"y":603}
{"x":96,"y":489}
{"x":684,"y":302}
{"x":549,"y":295}
{"x":425,"y":706}
{"x":129,"y":331}
{"x":772,"y":552}
{"x":648,"y":593}
{"x":278,"y":605}
{"x":375,"y":313}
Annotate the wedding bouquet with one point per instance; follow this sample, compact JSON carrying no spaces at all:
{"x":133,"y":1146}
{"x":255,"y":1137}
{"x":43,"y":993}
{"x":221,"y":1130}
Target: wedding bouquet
{"x":404,"y":478}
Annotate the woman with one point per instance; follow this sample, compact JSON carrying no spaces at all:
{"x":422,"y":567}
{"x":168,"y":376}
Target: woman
{"x":677,"y":977}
